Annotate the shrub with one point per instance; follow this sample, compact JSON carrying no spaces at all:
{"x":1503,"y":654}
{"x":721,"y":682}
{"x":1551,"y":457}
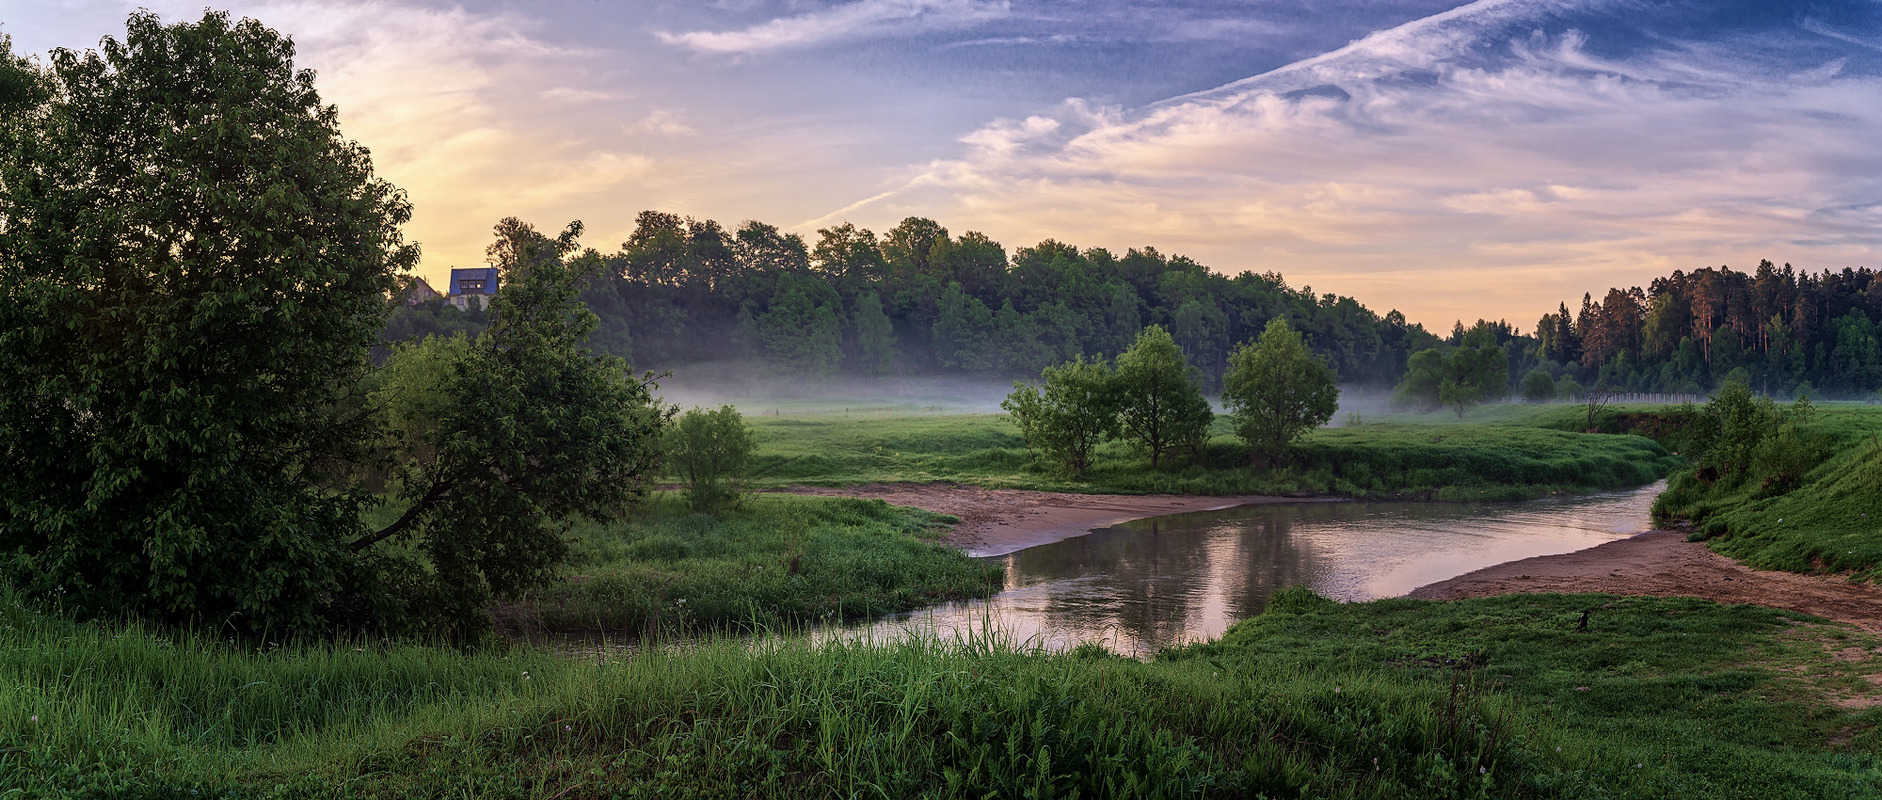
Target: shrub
{"x":1538,"y":387}
{"x":1067,"y":418}
{"x":710,"y":451}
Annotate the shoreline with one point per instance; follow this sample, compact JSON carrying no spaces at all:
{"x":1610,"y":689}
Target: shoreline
{"x":1655,"y":563}
{"x":1662,"y":563}
{"x":997,"y":522}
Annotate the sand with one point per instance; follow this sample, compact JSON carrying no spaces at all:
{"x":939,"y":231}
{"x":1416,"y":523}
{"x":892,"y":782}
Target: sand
{"x":994,"y":522}
{"x":1664,"y":564}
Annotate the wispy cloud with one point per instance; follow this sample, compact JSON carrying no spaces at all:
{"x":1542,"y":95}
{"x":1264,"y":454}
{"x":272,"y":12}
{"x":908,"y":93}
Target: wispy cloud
{"x":836,"y":23}
{"x":1461,"y":149}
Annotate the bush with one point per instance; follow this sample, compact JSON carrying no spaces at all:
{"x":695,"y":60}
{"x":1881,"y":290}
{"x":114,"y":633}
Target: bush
{"x":1538,"y":387}
{"x":710,"y":451}
{"x":1067,"y":418}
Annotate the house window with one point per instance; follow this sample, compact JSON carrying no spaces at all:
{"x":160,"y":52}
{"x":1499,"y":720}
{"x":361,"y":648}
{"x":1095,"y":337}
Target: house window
{"x":470,"y":286}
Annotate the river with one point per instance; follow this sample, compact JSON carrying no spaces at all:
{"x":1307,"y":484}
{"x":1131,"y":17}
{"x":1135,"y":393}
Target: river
{"x":1141,"y":586}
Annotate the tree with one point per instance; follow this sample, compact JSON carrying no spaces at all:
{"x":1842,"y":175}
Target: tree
{"x":1071,"y":415}
{"x":802,"y":334}
{"x":195,"y":264}
{"x":1276,"y":390}
{"x":526,"y":430}
{"x":710,"y":451}
{"x":875,"y":336}
{"x":1538,"y":387}
{"x":1158,"y":406}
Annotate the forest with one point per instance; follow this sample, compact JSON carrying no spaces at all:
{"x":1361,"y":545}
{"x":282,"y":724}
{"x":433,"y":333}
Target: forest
{"x":920,"y":301}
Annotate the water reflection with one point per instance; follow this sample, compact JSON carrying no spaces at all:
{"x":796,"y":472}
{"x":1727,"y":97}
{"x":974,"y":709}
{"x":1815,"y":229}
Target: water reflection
{"x":1153,"y":583}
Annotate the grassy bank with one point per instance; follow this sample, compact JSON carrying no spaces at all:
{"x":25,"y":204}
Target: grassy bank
{"x":1830,"y":521}
{"x":773,"y":561}
{"x":1489,"y":698}
{"x":1506,"y":455}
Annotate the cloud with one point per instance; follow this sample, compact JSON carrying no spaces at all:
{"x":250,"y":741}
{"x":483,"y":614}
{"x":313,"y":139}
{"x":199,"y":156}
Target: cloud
{"x":1462,"y":149}
{"x":662,"y":122}
{"x":836,"y":23}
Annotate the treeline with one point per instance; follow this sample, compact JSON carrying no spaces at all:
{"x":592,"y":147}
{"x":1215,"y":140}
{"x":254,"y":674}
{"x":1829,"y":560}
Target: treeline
{"x":1782,"y":330}
{"x":918,"y":300}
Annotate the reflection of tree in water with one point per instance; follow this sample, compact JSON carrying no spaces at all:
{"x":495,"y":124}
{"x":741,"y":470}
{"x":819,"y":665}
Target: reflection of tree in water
{"x":1165,"y":580}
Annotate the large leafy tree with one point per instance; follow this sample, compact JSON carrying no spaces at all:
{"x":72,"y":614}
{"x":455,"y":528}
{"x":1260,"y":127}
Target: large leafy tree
{"x":195,"y":266}
{"x":194,"y":263}
{"x":1159,"y":406}
{"x":505,"y":439}
{"x":1277,"y":390}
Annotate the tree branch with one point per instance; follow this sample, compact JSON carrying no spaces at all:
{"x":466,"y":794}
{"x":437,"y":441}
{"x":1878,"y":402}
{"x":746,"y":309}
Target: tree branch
{"x":432,"y":498}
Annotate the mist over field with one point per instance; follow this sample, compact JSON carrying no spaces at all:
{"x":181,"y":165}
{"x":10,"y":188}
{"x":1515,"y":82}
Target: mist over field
{"x":759,"y":388}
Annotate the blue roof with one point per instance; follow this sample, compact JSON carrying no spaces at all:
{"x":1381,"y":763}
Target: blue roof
{"x":486,"y":274}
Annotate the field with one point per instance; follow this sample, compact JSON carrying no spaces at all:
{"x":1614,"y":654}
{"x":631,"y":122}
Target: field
{"x":1487,"y":698}
{"x":1498,"y":453}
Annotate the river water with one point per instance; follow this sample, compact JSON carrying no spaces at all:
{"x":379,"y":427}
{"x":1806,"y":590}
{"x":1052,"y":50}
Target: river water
{"x":1141,"y":586}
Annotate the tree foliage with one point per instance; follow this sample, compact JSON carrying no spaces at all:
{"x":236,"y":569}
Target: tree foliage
{"x":1538,"y":386}
{"x":528,"y":430}
{"x":1066,"y":417}
{"x":1159,"y":407}
{"x":194,"y":264}
{"x":1277,"y":390}
{"x":710,"y":450}
{"x":1459,"y":377}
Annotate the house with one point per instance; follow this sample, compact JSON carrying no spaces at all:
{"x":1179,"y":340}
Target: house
{"x":414,"y":290}
{"x":470,"y":286}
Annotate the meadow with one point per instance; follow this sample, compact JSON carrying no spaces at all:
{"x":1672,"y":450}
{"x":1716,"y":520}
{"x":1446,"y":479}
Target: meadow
{"x":1497,"y":453}
{"x":1398,"y":698}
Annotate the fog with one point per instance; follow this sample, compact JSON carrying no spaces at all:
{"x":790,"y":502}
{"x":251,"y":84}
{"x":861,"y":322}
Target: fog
{"x":759,"y":389}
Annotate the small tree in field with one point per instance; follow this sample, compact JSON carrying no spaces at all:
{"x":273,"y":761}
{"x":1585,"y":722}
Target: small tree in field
{"x":710,"y":450}
{"x":1538,"y":387}
{"x":1070,"y":415}
{"x":1158,"y":405}
{"x":1276,"y":390}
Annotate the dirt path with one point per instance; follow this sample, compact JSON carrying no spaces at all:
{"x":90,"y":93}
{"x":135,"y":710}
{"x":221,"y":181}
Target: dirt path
{"x":1664,"y":564}
{"x":995,"y":522}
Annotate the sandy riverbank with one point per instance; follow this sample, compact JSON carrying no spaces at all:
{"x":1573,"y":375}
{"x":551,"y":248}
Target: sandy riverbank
{"x":995,"y":522}
{"x":1664,"y":564}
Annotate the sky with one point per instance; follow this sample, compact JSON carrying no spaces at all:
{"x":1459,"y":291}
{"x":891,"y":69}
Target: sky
{"x":1450,"y":160}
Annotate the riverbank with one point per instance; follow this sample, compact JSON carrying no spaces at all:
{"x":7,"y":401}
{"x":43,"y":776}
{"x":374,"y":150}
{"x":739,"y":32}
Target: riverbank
{"x":1664,"y":564}
{"x":995,"y":522}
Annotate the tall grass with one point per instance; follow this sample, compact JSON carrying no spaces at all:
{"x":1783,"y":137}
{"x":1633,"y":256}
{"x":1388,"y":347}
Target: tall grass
{"x":1391,"y":699}
{"x":773,"y":561}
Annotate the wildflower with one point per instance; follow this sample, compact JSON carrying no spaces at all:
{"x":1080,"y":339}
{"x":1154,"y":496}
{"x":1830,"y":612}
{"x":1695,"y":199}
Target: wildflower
{"x":525,"y":674}
{"x":1483,"y":770}
{"x":35,"y":719}
{"x":1336,"y":690}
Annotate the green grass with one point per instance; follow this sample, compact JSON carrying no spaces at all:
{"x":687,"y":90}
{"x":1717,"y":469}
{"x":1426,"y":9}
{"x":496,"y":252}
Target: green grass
{"x":774,"y":561}
{"x":1506,"y":455}
{"x":1390,"y":699}
{"x":1831,"y":522}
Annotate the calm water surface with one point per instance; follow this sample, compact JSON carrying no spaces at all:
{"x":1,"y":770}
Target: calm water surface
{"x":1157,"y":582}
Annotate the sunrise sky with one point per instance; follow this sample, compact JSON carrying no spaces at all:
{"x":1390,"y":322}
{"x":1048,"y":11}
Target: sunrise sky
{"x":1450,"y":160}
